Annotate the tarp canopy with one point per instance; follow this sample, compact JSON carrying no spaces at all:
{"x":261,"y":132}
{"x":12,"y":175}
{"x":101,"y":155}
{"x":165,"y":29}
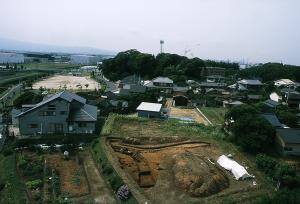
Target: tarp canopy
{"x":238,"y":171}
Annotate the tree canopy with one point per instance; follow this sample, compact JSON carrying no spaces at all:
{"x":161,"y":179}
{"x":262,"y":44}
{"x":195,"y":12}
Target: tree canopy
{"x":178,"y":68}
{"x":250,"y":130}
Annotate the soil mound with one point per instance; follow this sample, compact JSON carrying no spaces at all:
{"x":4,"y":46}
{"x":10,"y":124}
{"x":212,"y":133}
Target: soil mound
{"x":197,"y":176}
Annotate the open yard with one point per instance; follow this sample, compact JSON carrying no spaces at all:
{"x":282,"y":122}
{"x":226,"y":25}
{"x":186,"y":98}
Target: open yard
{"x":215,"y":115}
{"x":67,"y":82}
{"x":187,"y":114}
{"x":179,"y":160}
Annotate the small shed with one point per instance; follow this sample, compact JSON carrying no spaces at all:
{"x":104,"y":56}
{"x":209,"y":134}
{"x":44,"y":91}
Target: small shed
{"x":180,"y":100}
{"x":149,"y":110}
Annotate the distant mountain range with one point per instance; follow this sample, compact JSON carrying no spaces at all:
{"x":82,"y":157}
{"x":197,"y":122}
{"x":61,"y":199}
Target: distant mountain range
{"x":14,"y":45}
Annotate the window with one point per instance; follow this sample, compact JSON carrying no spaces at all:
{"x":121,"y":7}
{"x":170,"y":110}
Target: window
{"x":33,"y":126}
{"x":63,"y":112}
{"x":47,"y":113}
{"x":51,"y":107}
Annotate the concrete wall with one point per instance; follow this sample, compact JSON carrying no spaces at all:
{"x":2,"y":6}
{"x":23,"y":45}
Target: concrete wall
{"x":45,"y":124}
{"x":149,"y":114}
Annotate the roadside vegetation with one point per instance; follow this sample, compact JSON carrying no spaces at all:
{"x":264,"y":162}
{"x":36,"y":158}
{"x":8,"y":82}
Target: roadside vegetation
{"x":12,"y":190}
{"x":214,"y":114}
{"x":107,"y":170}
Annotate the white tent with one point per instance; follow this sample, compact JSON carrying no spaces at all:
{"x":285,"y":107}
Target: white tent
{"x":237,"y":170}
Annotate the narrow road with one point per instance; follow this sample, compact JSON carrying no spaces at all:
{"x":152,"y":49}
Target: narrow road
{"x":10,"y":95}
{"x":100,"y":191}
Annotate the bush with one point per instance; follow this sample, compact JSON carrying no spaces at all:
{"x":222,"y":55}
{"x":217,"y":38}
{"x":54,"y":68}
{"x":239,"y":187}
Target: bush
{"x":2,"y":184}
{"x":266,"y":164}
{"x":107,"y":170}
{"x":34,"y":184}
{"x":282,"y":172}
{"x":281,"y":196}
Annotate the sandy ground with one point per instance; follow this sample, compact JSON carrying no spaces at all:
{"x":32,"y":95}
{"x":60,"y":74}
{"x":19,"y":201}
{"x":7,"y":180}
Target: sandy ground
{"x":68,"y":82}
{"x":189,"y":113}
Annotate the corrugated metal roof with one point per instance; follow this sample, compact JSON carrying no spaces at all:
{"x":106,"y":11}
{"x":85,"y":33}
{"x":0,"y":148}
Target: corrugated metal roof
{"x":153,"y":107}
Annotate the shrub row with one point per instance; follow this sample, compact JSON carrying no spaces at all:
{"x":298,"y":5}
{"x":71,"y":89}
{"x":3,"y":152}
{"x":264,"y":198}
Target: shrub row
{"x":282,"y":172}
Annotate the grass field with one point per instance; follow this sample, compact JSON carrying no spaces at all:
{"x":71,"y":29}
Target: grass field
{"x":51,"y":66}
{"x":13,"y":192}
{"x":215,"y":115}
{"x":16,"y":77}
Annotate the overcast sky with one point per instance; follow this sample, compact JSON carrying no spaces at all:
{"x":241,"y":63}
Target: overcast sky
{"x":253,"y":30}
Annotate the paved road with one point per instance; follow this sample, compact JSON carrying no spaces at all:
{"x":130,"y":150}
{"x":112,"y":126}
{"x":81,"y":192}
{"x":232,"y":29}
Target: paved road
{"x":110,"y":86}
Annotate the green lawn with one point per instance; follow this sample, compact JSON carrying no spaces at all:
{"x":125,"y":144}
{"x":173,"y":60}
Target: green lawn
{"x":215,"y":115}
{"x":13,"y":192}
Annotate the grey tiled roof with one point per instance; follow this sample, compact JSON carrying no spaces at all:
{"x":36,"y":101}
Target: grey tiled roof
{"x":272,"y":119}
{"x":63,"y":95}
{"x":86,"y":113}
{"x":289,"y":135}
{"x":162,"y":80}
{"x":271,"y":103}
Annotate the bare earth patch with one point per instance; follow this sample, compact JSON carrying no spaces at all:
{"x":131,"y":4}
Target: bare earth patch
{"x":67,"y":82}
{"x":72,"y":179}
{"x":187,"y":113}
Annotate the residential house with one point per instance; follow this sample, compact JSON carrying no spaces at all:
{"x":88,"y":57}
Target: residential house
{"x":254,"y":97}
{"x":62,"y":113}
{"x":290,"y":97}
{"x":149,"y":110}
{"x":130,"y":84}
{"x":215,"y":78}
{"x":229,"y":104}
{"x":272,"y":119}
{"x":272,"y":104}
{"x":210,"y":71}
{"x":251,"y":85}
{"x":162,"y":83}
{"x":288,"y":141}
{"x":284,"y":83}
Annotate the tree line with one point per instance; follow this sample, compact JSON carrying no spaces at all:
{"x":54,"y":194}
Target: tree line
{"x":178,"y":68}
{"x":272,"y":71}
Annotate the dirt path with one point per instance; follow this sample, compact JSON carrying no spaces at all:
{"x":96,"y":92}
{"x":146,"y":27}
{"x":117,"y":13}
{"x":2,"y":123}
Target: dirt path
{"x":100,"y":192}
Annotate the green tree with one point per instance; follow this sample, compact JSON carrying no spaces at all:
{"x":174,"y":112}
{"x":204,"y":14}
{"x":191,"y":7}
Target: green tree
{"x":288,"y":118}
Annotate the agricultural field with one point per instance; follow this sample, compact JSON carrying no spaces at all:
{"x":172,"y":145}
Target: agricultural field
{"x":51,"y":66}
{"x":12,"y":190}
{"x":154,"y":156}
{"x":215,"y":115}
{"x":48,"y":175}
